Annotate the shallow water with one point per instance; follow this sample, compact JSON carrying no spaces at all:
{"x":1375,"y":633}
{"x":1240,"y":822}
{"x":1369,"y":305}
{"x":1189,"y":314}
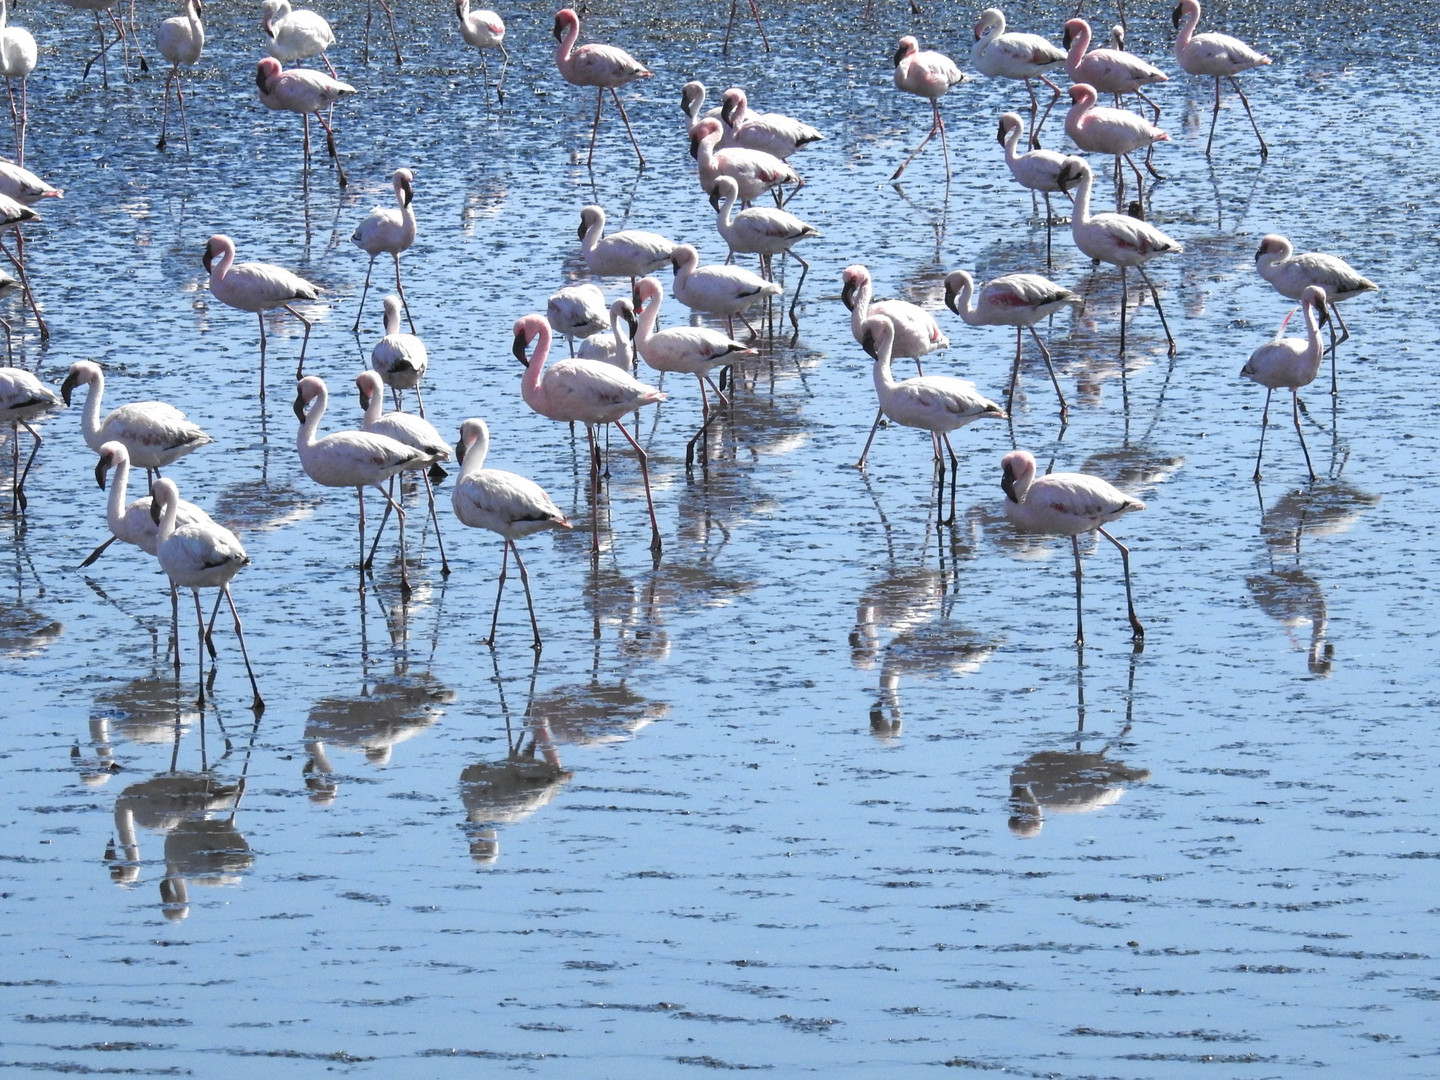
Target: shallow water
{"x":773,"y":827}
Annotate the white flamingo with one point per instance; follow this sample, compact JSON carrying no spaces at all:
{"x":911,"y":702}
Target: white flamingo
{"x":356,"y":459}
{"x":930,"y":75}
{"x":1068,"y":504}
{"x":483,"y":29}
{"x":23,"y":398}
{"x":774,"y":133}
{"x":763,"y":231}
{"x":1002,"y":55}
{"x":155,"y":433}
{"x":199,"y":555}
{"x":257,"y":287}
{"x":726,"y":291}
{"x":295,"y":34}
{"x":1036,"y":170}
{"x":1290,"y":362}
{"x":577,"y":311}
{"x":1292,"y":274}
{"x":132,"y":522}
{"x":300,"y":90}
{"x":1217,"y":55}
{"x":691,"y":350}
{"x":692,"y":100}
{"x":754,"y":171}
{"x":1118,"y":239}
{"x":1018,"y":300}
{"x":938,"y":404}
{"x":18,"y":57}
{"x":414,"y":431}
{"x":400,"y":360}
{"x":589,"y":392}
{"x":615,"y":346}
{"x":631,"y":253}
{"x":605,"y":67}
{"x":180,"y":40}
{"x":388,"y":230}
{"x":509,"y":505}
{"x":916,"y":333}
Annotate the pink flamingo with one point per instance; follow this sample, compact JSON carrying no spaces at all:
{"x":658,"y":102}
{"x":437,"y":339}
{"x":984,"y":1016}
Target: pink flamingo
{"x":1290,"y":362}
{"x":930,"y":75}
{"x":1002,"y":55}
{"x":302,"y":91}
{"x":1103,"y":130}
{"x":604,"y":67}
{"x":1219,"y":55}
{"x":754,"y":171}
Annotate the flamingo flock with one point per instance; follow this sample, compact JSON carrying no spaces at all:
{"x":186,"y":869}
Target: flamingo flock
{"x":741,"y":157}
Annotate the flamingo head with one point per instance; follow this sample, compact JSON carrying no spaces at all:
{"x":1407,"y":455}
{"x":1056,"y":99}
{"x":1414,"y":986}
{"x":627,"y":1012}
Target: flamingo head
{"x":565,"y":18}
{"x":462,"y":8}
{"x":956,"y":282}
{"x":1082,"y":94}
{"x":853,"y":278}
{"x":692,"y":96}
{"x":1272,"y":244}
{"x":162,"y":494}
{"x":734,"y":102}
{"x":266,"y":72}
{"x":82,"y":371}
{"x":1017,"y":470}
{"x":877,"y":336}
{"x":211,"y":250}
{"x":1071,"y":172}
{"x":1181,"y":10}
{"x":1008,"y":122}
{"x":588,"y":216}
{"x":1073,"y":29}
{"x":521,"y":342}
{"x":908,"y":47}
{"x":709,"y":128}
{"x":306,"y":391}
{"x":404,"y":186}
{"x":1314,"y":295}
{"x":990,"y":19}
{"x":368,"y":384}
{"x":110,"y":453}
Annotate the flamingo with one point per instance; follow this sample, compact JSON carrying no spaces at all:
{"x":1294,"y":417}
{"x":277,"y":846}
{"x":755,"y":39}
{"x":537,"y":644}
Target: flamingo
{"x":1036,"y":170}
{"x":107,"y":6}
{"x":1103,"y":130}
{"x":23,"y":397}
{"x":692,"y":100}
{"x":300,"y":90}
{"x":930,"y":75}
{"x":1292,"y":274}
{"x":1068,"y":504}
{"x":692,"y":350}
{"x":577,"y":311}
{"x":938,"y":404}
{"x":414,"y":431}
{"x":726,"y":291}
{"x":762,"y":231}
{"x":506,"y":503}
{"x":357,"y":459}
{"x":132,"y":522}
{"x":199,"y":555}
{"x":18,"y":56}
{"x":155,"y":434}
{"x":1002,"y":55}
{"x":604,"y":67}
{"x":387,"y":230}
{"x":1219,"y":55}
{"x":482,"y":29}
{"x":774,"y":133}
{"x":1017,"y":300}
{"x":916,"y":333}
{"x":631,"y":253}
{"x":587,"y":391}
{"x":1291,"y":362}
{"x":754,"y":171}
{"x":1110,"y":71}
{"x":1118,"y":239}
{"x":615,"y":346}
{"x":296,"y":33}
{"x":180,"y":40}
{"x":399,"y":359}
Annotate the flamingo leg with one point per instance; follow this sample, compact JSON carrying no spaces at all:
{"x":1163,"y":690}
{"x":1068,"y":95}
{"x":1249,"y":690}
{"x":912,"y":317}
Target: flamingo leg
{"x":1054,"y":379}
{"x":595,"y":128}
{"x":257,"y":704}
{"x":1295,"y":411}
{"x":1334,"y":378}
{"x":200,"y":650}
{"x":1079,"y":617}
{"x":1124,"y":302}
{"x":621,"y":106}
{"x":1215,"y":116}
{"x":96,"y":553}
{"x":1035,"y":132}
{"x":655,"y":542}
{"x":1049,"y":218}
{"x":795,"y":299}
{"x":375,"y":543}
{"x":17,"y":260}
{"x":529,"y":601}
{"x":104,"y":63}
{"x":1264,"y":150}
{"x":954,"y":474}
{"x":164,"y":112}
{"x":399,"y":516}
{"x":1264,"y":423}
{"x":500,"y":87}
{"x":175,"y":627}
{"x":394,"y":37}
{"x":360,"y":494}
{"x":15,"y":121}
{"x":210,"y":627}
{"x":305,"y":341}
{"x":365,"y":291}
{"x":330,"y":146}
{"x":261,"y":316}
{"x":594,"y":455}
{"x":400,"y":289}
{"x":1158,"y":309}
{"x":1139,"y":631}
{"x":879,"y":415}
{"x":20,"y":501}
{"x":938,"y":125}
{"x":499,"y":591}
{"x":706,"y":418}
{"x":440,"y":543}
{"x":180,"y":97}
{"x":1139,"y":181}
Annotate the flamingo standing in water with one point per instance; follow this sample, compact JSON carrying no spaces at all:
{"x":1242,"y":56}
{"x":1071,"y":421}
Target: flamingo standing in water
{"x":483,"y":29}
{"x":257,"y":287}
{"x":357,"y":459}
{"x":1292,"y":274}
{"x":400,"y":360}
{"x":930,"y":75}
{"x":775,"y":133}
{"x":916,"y":331}
{"x":295,"y":34}
{"x":763,"y":231}
{"x":300,"y":90}
{"x":605,"y":67}
{"x":1217,"y":55}
{"x":577,"y":311}
{"x":1118,"y":239}
{"x":721,"y":290}
{"x":180,"y":40}
{"x":754,"y":171}
{"x":131,"y":522}
{"x":631,"y":253}
{"x":199,"y":555}
{"x":587,"y":391}
{"x":1002,"y":55}
{"x":1037,"y":170}
{"x":615,"y":346}
{"x":1068,"y":504}
{"x":506,"y":503}
{"x":1017,"y":300}
{"x":1290,"y":362}
{"x":1103,"y":130}
{"x":388,"y":230}
{"x":18,"y":57}
{"x":23,"y":397}
{"x":1110,"y":71}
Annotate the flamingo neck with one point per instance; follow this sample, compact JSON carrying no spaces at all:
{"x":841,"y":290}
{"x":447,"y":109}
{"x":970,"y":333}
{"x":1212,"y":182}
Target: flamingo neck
{"x":167,"y":518}
{"x":1080,"y":212}
{"x":530,"y":382}
{"x":221,"y":266}
{"x":966,"y":311}
{"x":1079,"y":43}
{"x":567,"y":44}
{"x":593,"y":235}
{"x":1187,"y":28}
{"x":722,"y":218}
{"x":1315,"y":350}
{"x":884,"y":377}
{"x":649,"y":316}
{"x":861,"y":309}
{"x":1012,"y":143}
{"x":475,"y":455}
{"x":90,"y":421}
{"x":375,"y":401}
{"x":119,"y":489}
{"x":306,"y":437}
